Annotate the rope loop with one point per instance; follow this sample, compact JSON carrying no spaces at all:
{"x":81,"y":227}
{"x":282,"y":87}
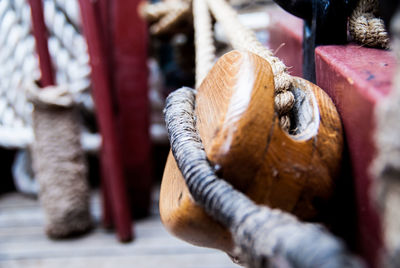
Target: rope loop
{"x":51,"y":96}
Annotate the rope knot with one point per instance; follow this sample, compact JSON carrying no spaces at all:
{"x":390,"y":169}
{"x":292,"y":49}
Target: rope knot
{"x":51,"y":96}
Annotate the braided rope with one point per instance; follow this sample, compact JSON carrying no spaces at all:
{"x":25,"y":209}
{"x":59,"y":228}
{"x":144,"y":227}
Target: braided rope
{"x":205,"y":50}
{"x":365,"y":27}
{"x":19,"y":65}
{"x":71,"y":11}
{"x":242,"y":38}
{"x":266,"y":237}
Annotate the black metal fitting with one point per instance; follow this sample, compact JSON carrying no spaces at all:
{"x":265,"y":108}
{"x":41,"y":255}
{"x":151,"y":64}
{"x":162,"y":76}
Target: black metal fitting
{"x":387,"y":9}
{"x":325,"y":22}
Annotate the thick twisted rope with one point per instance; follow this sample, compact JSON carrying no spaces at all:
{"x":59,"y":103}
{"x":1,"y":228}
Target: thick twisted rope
{"x":204,"y":43}
{"x":18,"y":62}
{"x":242,"y":38}
{"x":365,"y":27}
{"x":154,"y":12}
{"x":264,"y":236}
{"x":68,"y":49}
{"x":71,"y":10}
{"x":170,"y":19}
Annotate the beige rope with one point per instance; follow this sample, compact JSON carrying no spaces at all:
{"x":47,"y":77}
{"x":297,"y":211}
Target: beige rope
{"x":170,"y":19}
{"x":205,"y":49}
{"x":59,"y":163}
{"x":153,"y":12}
{"x":365,"y":27}
{"x":52,"y":96}
{"x":242,"y":38}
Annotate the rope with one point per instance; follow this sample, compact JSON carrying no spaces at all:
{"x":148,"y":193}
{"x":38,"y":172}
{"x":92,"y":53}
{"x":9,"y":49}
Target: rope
{"x":169,"y":20}
{"x":204,"y":43}
{"x":52,"y":96}
{"x":18,"y":63}
{"x":154,"y":12}
{"x":365,"y":27}
{"x":266,"y":237}
{"x":242,"y":38}
{"x":59,"y":165}
{"x":71,"y":10}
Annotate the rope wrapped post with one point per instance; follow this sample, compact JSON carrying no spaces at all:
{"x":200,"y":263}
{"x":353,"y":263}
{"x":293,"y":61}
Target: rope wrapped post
{"x":265,"y":237}
{"x":59,"y":162}
{"x":58,"y":157}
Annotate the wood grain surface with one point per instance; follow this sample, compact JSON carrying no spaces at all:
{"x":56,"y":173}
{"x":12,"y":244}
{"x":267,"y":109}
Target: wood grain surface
{"x":23,"y":242}
{"x":243,"y":140}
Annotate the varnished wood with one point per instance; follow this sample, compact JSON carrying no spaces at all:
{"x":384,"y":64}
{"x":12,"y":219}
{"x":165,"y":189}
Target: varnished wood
{"x":243,"y":140}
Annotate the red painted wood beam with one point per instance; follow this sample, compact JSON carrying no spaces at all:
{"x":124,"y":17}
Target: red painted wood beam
{"x":107,"y":218}
{"x":128,"y":52}
{"x":105,"y":116}
{"x":41,"y":36}
{"x":356,"y":78}
{"x":107,"y":205}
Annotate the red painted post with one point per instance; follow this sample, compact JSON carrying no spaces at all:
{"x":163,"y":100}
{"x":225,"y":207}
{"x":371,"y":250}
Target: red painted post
{"x":128,"y":52}
{"x":356,"y":78}
{"x":108,"y":221}
{"x":105,"y":116}
{"x":107,"y":207}
{"x":40,"y":34}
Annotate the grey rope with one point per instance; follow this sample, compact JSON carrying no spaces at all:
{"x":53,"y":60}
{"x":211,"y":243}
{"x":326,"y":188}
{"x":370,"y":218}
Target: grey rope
{"x":265,"y":237}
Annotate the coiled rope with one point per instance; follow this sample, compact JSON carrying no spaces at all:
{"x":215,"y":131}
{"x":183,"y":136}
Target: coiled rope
{"x":265,"y":237}
{"x":365,"y":27}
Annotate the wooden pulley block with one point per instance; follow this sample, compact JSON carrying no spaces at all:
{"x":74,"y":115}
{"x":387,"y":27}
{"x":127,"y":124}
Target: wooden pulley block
{"x":243,"y":140}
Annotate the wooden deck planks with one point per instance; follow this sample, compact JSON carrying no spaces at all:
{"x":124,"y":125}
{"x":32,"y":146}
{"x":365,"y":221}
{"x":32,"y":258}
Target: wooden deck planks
{"x":23,"y":243}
